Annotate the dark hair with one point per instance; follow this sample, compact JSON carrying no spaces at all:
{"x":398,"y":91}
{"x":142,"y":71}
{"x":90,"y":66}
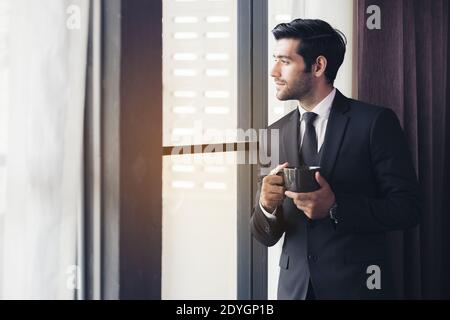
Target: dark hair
{"x":317,"y":38}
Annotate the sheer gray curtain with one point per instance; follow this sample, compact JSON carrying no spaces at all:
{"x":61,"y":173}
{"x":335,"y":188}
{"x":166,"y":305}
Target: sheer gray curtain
{"x":44,"y":71}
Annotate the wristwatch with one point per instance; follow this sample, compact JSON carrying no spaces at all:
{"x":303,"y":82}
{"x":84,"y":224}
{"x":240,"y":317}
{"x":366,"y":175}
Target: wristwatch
{"x":333,"y":213}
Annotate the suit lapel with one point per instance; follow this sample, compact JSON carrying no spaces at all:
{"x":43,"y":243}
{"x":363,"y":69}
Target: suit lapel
{"x":337,"y":123}
{"x":290,"y":139}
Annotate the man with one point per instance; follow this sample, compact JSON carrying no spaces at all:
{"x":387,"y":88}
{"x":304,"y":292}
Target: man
{"x":335,"y":238}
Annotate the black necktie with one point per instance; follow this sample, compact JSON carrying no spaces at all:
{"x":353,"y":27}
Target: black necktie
{"x":308,"y":150}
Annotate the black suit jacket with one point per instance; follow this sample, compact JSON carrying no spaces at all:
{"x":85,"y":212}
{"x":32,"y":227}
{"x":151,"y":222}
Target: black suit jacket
{"x":368,"y":165}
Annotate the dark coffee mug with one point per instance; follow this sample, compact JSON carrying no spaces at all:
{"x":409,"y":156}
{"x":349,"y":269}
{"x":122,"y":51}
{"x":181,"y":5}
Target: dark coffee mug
{"x":300,"y":179}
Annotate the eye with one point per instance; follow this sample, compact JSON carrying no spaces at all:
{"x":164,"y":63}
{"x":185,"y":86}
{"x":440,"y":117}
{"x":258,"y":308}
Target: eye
{"x":284,"y":61}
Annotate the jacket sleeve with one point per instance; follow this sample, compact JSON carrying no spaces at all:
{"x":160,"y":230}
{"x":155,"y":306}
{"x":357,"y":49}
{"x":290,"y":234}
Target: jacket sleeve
{"x":266,"y":231}
{"x":398,"y":206}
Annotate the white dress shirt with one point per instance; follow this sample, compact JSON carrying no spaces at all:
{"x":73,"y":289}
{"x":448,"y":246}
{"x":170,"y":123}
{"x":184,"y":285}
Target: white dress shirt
{"x":322,"y":109}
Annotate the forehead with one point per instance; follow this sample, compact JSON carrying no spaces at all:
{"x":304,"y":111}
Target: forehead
{"x":287,"y":47}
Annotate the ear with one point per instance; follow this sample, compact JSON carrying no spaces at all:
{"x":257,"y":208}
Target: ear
{"x":320,"y":66}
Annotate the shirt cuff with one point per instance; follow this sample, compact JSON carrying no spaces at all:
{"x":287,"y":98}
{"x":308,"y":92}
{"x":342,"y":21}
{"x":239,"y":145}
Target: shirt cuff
{"x":267,"y":214}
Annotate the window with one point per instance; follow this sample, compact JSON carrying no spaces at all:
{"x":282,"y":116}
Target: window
{"x":214,"y":83}
{"x":199,"y":246}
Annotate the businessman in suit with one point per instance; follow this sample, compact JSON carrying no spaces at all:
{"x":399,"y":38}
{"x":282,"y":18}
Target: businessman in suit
{"x":335,"y":243}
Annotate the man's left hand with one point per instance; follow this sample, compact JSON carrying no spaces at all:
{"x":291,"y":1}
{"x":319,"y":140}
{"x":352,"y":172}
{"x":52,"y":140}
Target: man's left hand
{"x":315,"y":205}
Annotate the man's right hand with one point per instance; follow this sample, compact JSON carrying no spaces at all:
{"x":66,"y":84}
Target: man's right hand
{"x":272,"y":189}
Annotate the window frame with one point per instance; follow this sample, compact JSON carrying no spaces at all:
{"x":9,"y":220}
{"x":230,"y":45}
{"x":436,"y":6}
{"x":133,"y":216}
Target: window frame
{"x":126,"y":263}
{"x":122,"y":232}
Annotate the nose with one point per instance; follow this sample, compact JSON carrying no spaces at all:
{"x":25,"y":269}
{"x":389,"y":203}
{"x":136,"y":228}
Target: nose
{"x":275,"y":72}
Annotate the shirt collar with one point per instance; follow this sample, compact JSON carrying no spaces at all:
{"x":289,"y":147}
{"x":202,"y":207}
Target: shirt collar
{"x":322,"y":109}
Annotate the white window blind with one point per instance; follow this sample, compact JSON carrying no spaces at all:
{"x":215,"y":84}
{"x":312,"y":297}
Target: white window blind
{"x":199,"y":68}
{"x":199,"y":191}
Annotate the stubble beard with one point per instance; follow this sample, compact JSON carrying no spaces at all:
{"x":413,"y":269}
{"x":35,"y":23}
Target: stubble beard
{"x":299,"y":89}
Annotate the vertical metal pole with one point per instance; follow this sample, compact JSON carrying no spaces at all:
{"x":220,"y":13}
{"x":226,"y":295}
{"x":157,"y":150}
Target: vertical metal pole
{"x":244,"y":178}
{"x":97,"y":184}
{"x":259,"y":116}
